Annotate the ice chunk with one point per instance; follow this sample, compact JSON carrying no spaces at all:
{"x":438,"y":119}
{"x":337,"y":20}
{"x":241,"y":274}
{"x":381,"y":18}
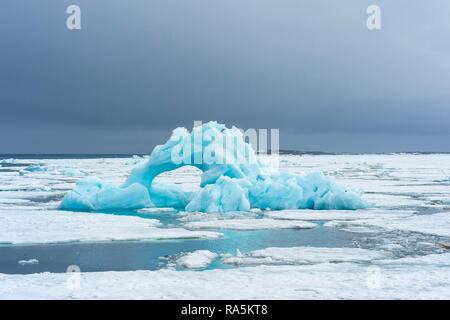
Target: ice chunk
{"x":168,"y":195}
{"x":33,"y":168}
{"x":28,"y":262}
{"x":249,"y":224}
{"x":233,"y":179}
{"x":225,"y":195}
{"x":96,"y":195}
{"x":197,"y":259}
{"x":313,"y":191}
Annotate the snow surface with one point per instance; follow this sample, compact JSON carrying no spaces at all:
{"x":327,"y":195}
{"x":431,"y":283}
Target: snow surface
{"x":435,"y":224}
{"x":157,"y":210}
{"x":409,"y":194}
{"x":410,"y":278}
{"x":197,"y":259}
{"x":304,"y":255}
{"x":312,"y":215}
{"x":249,"y":224}
{"x":35,"y":226}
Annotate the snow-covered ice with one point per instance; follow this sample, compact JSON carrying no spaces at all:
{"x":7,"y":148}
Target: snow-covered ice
{"x":435,"y":224}
{"x":249,"y":224}
{"x":399,"y":251}
{"x":311,"y":215}
{"x":414,"y":278}
{"x":304,"y":255}
{"x":197,"y":259}
{"x":157,"y":210}
{"x":60,"y":226}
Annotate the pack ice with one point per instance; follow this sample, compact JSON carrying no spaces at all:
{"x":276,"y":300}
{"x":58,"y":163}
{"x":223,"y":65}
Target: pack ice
{"x":233,"y":178}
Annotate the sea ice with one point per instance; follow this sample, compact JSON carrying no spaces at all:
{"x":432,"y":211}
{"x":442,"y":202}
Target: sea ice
{"x":94,"y":194}
{"x":197,"y":259}
{"x":13,"y":201}
{"x":28,"y":262}
{"x":311,"y":215}
{"x":414,"y":277}
{"x":157,"y":210}
{"x":392,"y":201}
{"x":233,"y":179}
{"x":435,"y":224}
{"x":426,"y":277}
{"x":249,"y":224}
{"x":305,"y":255}
{"x":8,"y":161}
{"x":40,"y":168}
{"x":33,"y":168}
{"x":34,"y":226}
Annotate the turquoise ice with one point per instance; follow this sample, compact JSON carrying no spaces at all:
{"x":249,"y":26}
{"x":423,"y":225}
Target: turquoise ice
{"x":233,"y":179}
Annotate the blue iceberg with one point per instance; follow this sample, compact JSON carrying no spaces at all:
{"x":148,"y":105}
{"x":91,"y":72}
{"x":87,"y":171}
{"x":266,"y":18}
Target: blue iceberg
{"x":93,"y":194}
{"x":233,"y":179}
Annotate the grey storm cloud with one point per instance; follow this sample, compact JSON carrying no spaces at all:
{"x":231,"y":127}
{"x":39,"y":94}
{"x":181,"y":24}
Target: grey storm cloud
{"x":138,"y":69}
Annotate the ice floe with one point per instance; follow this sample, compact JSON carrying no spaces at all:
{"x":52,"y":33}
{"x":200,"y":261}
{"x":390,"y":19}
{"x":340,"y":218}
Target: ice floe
{"x":197,"y":259}
{"x":60,"y":226}
{"x":311,"y":215}
{"x":304,"y":255}
{"x":28,"y":262}
{"x":13,"y":201}
{"x":434,"y":224}
{"x":249,"y":224}
{"x":157,"y":210}
{"x":43,"y":170}
{"x":392,"y":201}
{"x":425,"y":277}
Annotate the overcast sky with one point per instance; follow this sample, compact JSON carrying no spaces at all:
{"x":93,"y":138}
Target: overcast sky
{"x":137,"y":69}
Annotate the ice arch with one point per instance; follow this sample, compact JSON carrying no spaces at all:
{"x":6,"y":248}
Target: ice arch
{"x":189,"y":177}
{"x":233,"y":179}
{"x":195,"y":148}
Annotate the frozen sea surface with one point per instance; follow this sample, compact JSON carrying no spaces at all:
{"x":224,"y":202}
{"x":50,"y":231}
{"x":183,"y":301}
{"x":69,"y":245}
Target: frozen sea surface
{"x":394,"y":249}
